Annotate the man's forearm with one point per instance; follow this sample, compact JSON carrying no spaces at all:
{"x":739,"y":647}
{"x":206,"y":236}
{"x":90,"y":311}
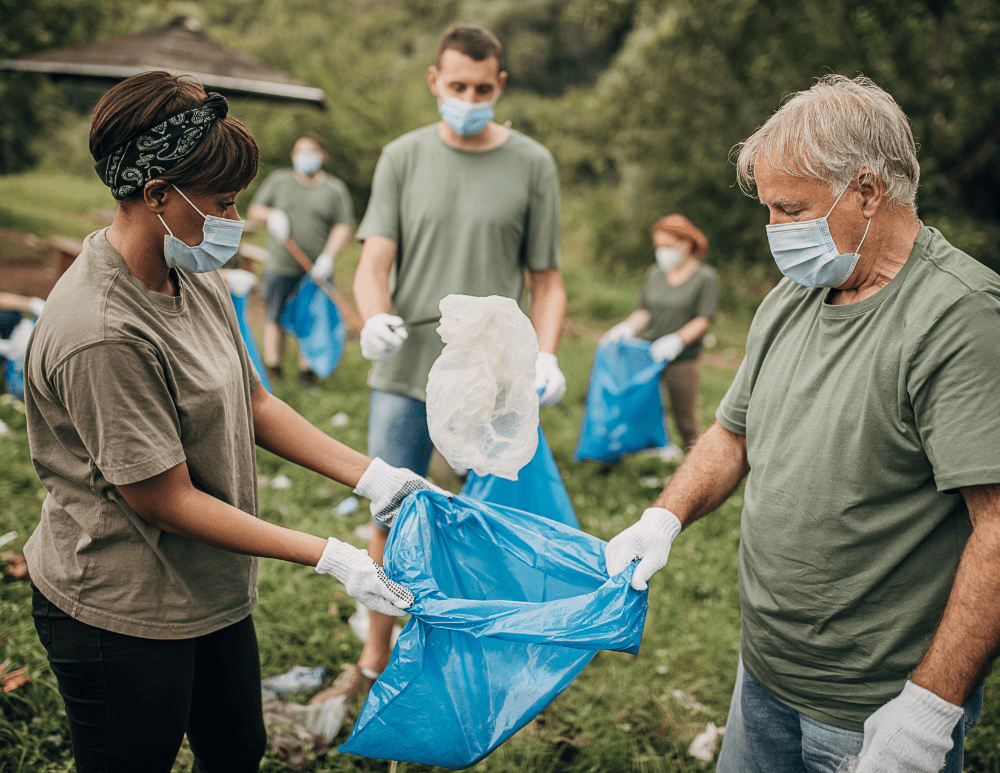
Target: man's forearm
{"x":710,"y":473}
{"x":968,"y":636}
{"x":371,"y":280}
{"x":548,"y":308}
{"x":337,"y":239}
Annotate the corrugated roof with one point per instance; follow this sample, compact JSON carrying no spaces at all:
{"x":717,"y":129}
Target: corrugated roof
{"x":179,"y":47}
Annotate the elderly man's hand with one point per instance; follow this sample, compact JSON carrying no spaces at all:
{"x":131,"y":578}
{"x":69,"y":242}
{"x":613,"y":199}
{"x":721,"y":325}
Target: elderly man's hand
{"x":909,"y":734}
{"x":648,"y":540}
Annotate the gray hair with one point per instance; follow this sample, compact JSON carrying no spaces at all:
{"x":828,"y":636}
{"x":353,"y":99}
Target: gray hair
{"x":833,"y":131}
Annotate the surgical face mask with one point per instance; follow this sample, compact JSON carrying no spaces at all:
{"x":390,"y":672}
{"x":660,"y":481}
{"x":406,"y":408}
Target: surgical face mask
{"x":670,"y":257}
{"x":466,"y":118}
{"x":221,"y":241}
{"x":806,"y":254}
{"x":307,"y":162}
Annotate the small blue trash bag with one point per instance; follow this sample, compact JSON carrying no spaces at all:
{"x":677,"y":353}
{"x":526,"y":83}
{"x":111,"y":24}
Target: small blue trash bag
{"x":240,"y":305}
{"x":313,"y":319}
{"x":624,"y":411}
{"x":538,"y":489}
{"x":510,"y":607}
{"x":14,"y":375}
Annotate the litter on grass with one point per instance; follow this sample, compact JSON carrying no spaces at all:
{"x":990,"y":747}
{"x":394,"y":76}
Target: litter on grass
{"x":339,"y":419}
{"x":281,"y":481}
{"x":297,"y":733}
{"x":347,"y":506}
{"x":703,"y":746}
{"x":300,"y":679}
{"x":8,"y":537}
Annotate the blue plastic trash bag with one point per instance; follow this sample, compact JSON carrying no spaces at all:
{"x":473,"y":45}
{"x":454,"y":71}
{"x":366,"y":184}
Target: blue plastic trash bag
{"x":510,"y":607}
{"x":14,"y":374}
{"x":240,"y":304}
{"x":624,"y":411}
{"x":313,"y":319}
{"x":538,"y":489}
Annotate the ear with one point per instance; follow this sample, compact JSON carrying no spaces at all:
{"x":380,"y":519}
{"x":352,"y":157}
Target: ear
{"x":433,"y":76}
{"x":501,"y":82}
{"x":155,"y":195}
{"x":872,"y":190}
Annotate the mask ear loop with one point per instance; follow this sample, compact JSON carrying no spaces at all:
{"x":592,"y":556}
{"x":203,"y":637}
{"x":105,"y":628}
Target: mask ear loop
{"x":869,"y":224}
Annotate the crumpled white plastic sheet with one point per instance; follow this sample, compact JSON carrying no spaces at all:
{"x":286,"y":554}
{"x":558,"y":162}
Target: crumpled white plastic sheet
{"x":482,"y":407}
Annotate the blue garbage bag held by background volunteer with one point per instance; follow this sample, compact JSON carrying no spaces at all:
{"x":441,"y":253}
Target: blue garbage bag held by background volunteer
{"x":538,"y":489}
{"x":13,"y":353}
{"x":313,"y":319}
{"x":624,"y":411}
{"x":510,"y":607}
{"x":240,"y":305}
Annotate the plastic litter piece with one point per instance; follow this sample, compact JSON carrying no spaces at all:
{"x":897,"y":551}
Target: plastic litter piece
{"x":703,"y":746}
{"x":281,"y":481}
{"x":299,"y":679}
{"x":313,"y":319}
{"x":347,"y":506}
{"x":4,"y":429}
{"x":624,"y":411}
{"x":246,"y":333}
{"x":298,"y":733}
{"x":510,"y":607}
{"x":848,"y":765}
{"x":8,"y":537}
{"x":482,"y":407}
{"x":339,"y":419}
{"x":539,"y":488}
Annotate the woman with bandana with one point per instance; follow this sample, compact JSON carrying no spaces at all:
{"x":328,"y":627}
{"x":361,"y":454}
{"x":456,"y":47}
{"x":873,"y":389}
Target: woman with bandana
{"x":143,"y":411}
{"x":674,"y":311}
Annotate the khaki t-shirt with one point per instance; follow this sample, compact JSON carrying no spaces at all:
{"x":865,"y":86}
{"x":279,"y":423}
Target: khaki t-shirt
{"x":463,"y":222}
{"x":671,"y":307}
{"x":123,"y":383}
{"x":861,"y":422}
{"x":312,"y":211}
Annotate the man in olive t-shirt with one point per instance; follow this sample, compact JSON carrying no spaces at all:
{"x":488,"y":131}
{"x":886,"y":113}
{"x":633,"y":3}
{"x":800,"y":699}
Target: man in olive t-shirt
{"x":866,"y":414}
{"x":461,"y":206}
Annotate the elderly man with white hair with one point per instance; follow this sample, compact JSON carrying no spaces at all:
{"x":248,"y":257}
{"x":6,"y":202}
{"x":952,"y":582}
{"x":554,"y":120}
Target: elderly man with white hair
{"x":867,"y":415}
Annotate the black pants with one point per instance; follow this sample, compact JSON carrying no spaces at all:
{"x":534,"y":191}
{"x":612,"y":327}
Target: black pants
{"x":130,"y":700}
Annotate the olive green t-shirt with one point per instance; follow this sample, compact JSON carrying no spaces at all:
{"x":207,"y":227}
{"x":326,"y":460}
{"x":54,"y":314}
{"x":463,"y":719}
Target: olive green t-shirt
{"x":121,"y":384}
{"x":862,"y":421}
{"x":670,"y":307}
{"x":313,"y":210}
{"x":463,"y":222}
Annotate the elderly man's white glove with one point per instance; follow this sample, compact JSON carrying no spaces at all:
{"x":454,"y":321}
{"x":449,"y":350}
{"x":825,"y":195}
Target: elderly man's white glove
{"x":648,"y":539}
{"x":387,"y":486}
{"x":382,"y":336}
{"x":240,"y":282}
{"x":363,"y":579}
{"x":617,"y":333}
{"x":550,"y":382}
{"x":911,"y":733}
{"x":278,"y":225}
{"x":666,"y":347}
{"x":323,"y":267}
{"x":35,"y":306}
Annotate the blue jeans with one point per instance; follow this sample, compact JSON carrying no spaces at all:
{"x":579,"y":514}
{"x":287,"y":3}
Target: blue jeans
{"x":277,"y":290}
{"x":398,"y":434}
{"x":764,"y":735}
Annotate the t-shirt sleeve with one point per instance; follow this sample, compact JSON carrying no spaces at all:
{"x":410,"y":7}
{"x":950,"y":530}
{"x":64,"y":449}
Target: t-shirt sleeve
{"x":344,"y":207}
{"x":954,"y":387}
{"x":266,"y":193}
{"x":117,"y":397}
{"x":708,"y":299}
{"x":382,"y":215}
{"x":541,"y":238}
{"x":732,"y":411}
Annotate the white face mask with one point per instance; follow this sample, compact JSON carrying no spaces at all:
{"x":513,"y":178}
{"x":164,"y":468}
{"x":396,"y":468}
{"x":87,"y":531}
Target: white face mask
{"x":668,"y":258}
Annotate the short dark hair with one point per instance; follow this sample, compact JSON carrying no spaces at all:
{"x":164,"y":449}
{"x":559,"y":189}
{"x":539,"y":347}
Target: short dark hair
{"x":475,"y":42}
{"x":225,"y":160}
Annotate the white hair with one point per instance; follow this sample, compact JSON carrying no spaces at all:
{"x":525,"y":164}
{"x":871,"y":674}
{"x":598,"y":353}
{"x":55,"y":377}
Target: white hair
{"x":833,"y":131}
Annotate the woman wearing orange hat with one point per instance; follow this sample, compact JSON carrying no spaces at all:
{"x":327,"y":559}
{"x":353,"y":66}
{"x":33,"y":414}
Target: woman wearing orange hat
{"x":674,"y":311}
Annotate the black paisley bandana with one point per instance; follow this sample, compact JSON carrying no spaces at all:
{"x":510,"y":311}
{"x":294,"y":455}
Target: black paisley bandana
{"x":134,"y":163}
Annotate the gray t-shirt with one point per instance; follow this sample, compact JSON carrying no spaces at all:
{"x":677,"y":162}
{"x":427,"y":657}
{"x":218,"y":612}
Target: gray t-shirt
{"x":464,"y":222}
{"x":861,"y":422}
{"x":121,"y":384}
{"x":671,"y":307}
{"x":312,"y":211}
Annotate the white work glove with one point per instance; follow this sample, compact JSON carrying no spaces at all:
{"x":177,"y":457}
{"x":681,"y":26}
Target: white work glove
{"x":387,"y":486}
{"x":363,"y":579}
{"x":14,"y":348}
{"x":35,"y":306}
{"x":239,"y":282}
{"x":549,"y":380}
{"x":617,"y":333}
{"x":278,"y":225}
{"x":382,"y":336}
{"x":910,"y":733}
{"x":323,"y":267}
{"x":666,"y":347}
{"x":648,"y":539}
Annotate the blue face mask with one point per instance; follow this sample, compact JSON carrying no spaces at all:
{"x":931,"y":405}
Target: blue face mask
{"x":221,"y":241}
{"x":307,"y":162}
{"x":806,"y":254}
{"x":466,"y":118}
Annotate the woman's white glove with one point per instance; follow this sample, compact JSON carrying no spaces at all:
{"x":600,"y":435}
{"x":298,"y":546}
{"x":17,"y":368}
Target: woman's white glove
{"x":387,"y":486}
{"x":912,"y":732}
{"x":549,"y":380}
{"x":666,"y":347}
{"x":363,"y":579}
{"x":240,"y":282}
{"x":278,"y":225}
{"x":648,"y":539}
{"x":382,"y":336}
{"x":323,"y":267}
{"x":617,"y":333}
{"x":35,"y":306}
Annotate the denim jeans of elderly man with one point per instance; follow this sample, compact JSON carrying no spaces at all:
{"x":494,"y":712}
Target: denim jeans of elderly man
{"x":764,"y":735}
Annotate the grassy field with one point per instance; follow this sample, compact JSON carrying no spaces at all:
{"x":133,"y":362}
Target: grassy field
{"x":619,"y":715}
